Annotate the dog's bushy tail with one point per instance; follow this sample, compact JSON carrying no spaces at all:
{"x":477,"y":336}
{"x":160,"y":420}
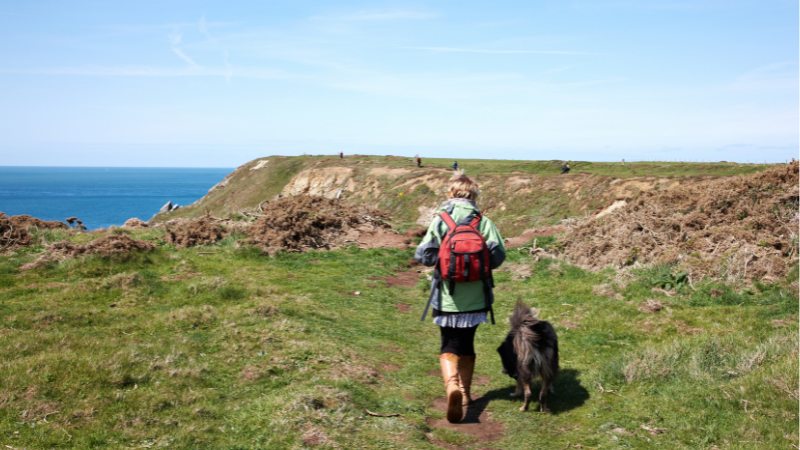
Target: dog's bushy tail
{"x":522,"y":321}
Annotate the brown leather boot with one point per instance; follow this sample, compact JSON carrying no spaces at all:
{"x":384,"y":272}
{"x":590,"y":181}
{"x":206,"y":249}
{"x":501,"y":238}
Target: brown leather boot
{"x":466,"y":366}
{"x":449,"y":363}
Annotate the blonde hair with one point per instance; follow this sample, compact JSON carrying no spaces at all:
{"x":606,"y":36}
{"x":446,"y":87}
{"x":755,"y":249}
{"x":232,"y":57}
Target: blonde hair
{"x":462,"y":186}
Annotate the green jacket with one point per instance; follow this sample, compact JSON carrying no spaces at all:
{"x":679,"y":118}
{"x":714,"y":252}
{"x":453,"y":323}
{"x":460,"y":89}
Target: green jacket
{"x":469,"y":296}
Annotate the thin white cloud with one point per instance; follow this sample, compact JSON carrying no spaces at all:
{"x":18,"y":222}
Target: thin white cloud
{"x":772,"y":77}
{"x":694,"y":5}
{"x":379,"y":15}
{"x":175,"y":37}
{"x":473,"y":50}
{"x":183,"y":56}
{"x":144,"y":71}
{"x":203,"y":27}
{"x":175,"y":40}
{"x":766,"y":71}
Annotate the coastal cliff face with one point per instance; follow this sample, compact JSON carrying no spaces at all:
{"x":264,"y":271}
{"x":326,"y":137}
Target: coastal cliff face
{"x":320,"y":182}
{"x":517,"y":195}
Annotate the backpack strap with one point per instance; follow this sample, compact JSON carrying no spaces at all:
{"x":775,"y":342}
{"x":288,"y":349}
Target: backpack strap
{"x":451,"y":224}
{"x":476,"y":221}
{"x":487,"y":291}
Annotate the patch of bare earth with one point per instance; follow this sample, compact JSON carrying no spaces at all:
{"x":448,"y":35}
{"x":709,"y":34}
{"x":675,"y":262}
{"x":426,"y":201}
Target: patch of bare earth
{"x":528,"y":235}
{"x":650,"y":306}
{"x":388,"y":368}
{"x":476,"y":422}
{"x":392,"y":347}
{"x":402,"y":307}
{"x":740,"y":227}
{"x":519,"y":271}
{"x":355,"y":371}
{"x":606,"y":290}
{"x":53,"y":285}
{"x":401,"y":279}
{"x":784,"y":322}
{"x":251,"y":373}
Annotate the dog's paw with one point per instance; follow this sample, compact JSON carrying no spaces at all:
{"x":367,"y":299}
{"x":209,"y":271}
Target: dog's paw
{"x":515,"y":394}
{"x":523,"y":408}
{"x":545,"y":409}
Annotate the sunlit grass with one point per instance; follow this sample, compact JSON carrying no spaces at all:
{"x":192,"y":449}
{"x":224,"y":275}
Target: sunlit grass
{"x":223,"y":347}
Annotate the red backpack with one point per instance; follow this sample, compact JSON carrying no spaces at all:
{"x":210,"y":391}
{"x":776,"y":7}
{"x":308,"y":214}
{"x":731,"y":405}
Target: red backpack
{"x":464,"y":256}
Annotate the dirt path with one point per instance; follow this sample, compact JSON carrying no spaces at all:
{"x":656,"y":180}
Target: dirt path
{"x":527,"y":235}
{"x":408,"y":279}
{"x":476,"y":422}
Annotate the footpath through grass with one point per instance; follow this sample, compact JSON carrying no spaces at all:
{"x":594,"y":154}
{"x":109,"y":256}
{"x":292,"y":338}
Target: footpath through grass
{"x":221,"y":347}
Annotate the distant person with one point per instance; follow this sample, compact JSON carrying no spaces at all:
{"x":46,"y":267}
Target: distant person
{"x":459,"y":306}
{"x":564,"y":169}
{"x":455,"y":165}
{"x":341,"y":155}
{"x":419,"y":162}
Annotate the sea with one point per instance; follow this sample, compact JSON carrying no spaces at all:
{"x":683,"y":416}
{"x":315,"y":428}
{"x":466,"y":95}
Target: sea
{"x":98,"y":196}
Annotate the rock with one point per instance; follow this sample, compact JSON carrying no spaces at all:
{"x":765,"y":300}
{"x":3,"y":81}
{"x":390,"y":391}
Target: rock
{"x":220,"y":185}
{"x":135,"y":223}
{"x":166,"y":208}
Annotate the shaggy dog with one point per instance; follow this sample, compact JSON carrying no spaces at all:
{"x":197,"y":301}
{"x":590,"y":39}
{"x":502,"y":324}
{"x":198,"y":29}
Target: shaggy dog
{"x":529,"y":351}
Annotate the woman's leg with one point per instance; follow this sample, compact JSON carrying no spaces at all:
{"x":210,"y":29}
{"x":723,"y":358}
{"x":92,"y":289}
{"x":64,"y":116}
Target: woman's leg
{"x":458,"y":344}
{"x":458,"y":341}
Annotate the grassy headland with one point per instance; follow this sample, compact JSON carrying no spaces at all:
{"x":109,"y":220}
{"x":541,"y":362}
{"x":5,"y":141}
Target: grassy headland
{"x":518,"y":195}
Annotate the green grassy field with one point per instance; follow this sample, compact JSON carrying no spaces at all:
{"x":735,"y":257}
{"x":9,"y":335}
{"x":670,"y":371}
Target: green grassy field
{"x":222,"y":347}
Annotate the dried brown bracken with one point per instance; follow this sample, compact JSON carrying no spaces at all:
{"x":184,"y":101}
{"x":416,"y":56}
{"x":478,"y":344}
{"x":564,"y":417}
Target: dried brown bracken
{"x":201,"y":231}
{"x":28,"y":222}
{"x":313,"y":223}
{"x":104,"y":246}
{"x":736,"y":228}
{"x":12,"y":235}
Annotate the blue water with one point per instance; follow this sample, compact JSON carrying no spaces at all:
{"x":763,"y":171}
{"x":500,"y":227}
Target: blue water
{"x":100,"y":197}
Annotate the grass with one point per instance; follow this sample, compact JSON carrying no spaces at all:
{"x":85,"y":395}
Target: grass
{"x":236,"y":350}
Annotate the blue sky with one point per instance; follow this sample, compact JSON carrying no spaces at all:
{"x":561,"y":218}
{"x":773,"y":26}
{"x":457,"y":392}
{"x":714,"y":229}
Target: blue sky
{"x":216,"y":84}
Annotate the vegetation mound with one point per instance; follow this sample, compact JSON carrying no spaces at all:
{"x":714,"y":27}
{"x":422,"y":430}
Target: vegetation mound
{"x":742,"y":227}
{"x":316,"y":223}
{"x":27,"y":222}
{"x":202,"y":231}
{"x":11,"y":234}
{"x":104,"y":246}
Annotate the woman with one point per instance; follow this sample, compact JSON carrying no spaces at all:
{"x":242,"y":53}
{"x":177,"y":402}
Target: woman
{"x":458,"y":312}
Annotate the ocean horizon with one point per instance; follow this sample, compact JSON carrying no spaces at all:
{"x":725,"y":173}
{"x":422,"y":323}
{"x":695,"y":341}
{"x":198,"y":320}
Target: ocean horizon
{"x":101,"y":196}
